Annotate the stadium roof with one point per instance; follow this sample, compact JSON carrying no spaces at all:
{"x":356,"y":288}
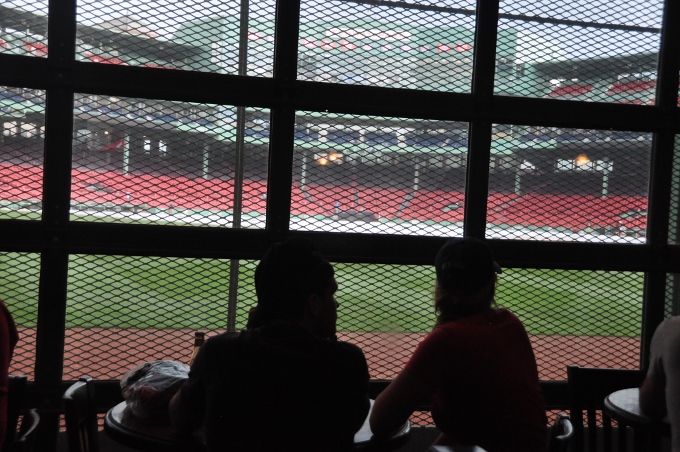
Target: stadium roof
{"x":18,"y":19}
{"x":599,"y":68}
{"x":21,"y":20}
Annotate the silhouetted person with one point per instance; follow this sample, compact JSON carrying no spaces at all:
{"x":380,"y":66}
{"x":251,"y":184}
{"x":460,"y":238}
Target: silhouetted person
{"x":660,"y":392}
{"x":8,"y":340}
{"x":477,"y":365}
{"x":284,"y":383}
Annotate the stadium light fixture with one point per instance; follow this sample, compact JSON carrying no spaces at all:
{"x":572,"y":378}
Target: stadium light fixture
{"x":331,"y":157}
{"x":582,"y":160}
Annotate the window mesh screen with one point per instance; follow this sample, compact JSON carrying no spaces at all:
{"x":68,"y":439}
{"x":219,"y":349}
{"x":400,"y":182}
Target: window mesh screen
{"x":568,"y":184}
{"x":126,"y":310}
{"x":598,"y":51}
{"x":379,"y":175}
{"x":586,"y":318}
{"x":674,"y":207}
{"x":123,"y":310}
{"x":22,"y":113}
{"x":161,"y":162}
{"x":422,"y":45}
{"x":672,"y":304}
{"x":196,"y":36}
{"x":20,"y":275}
{"x":166,"y":163}
{"x":23,"y":28}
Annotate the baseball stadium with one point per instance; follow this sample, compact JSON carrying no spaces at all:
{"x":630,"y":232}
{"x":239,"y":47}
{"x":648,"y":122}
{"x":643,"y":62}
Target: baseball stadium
{"x":151,"y":152}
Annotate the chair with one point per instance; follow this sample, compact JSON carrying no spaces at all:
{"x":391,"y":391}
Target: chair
{"x":15,"y":396}
{"x":81,"y":416}
{"x":25,"y":438}
{"x":561,"y":434}
{"x":588,"y":387}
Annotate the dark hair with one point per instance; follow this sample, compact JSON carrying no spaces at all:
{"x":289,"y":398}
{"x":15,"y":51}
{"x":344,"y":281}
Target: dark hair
{"x":452,"y":305}
{"x":287,"y":274}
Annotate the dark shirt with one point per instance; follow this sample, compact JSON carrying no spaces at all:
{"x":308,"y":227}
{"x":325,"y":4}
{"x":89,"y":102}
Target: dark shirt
{"x":278,"y":387}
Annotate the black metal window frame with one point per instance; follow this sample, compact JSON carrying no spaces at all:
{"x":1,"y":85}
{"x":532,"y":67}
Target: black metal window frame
{"x":55,"y":238}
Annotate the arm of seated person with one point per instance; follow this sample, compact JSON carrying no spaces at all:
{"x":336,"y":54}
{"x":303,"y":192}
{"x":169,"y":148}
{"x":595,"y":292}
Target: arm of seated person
{"x":182,"y":418}
{"x":653,"y":399}
{"x":396,"y":403}
{"x":361,"y":405}
{"x":360,"y":400}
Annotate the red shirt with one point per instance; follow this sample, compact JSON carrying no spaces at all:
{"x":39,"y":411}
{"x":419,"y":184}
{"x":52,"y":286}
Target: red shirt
{"x":8,"y":339}
{"x":487,"y":390}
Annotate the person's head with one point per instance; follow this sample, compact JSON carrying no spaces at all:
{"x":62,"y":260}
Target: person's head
{"x":295,"y":283}
{"x":466,"y":278}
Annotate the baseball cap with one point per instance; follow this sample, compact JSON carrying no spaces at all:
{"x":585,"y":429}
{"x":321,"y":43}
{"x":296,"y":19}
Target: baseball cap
{"x":465,"y":264}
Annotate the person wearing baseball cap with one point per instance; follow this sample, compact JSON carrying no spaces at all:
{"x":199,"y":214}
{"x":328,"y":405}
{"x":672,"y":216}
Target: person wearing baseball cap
{"x":477,"y":365}
{"x":465,"y":268}
{"x":285,"y":382}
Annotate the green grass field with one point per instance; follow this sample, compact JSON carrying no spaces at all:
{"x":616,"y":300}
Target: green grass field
{"x":152,"y":292}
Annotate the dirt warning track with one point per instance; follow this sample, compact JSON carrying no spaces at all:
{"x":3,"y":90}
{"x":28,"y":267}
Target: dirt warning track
{"x":106,"y":353}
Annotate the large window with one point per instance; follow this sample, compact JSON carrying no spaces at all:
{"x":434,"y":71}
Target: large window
{"x":151,"y":152}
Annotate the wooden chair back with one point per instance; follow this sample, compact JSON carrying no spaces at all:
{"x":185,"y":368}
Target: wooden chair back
{"x":80,"y":413}
{"x":588,"y":387}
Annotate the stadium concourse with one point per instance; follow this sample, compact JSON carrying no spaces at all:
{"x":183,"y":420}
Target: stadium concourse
{"x":210,"y":201}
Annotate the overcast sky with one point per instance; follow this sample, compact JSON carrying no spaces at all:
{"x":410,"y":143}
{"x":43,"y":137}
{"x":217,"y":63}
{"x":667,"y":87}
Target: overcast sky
{"x":167,"y":15}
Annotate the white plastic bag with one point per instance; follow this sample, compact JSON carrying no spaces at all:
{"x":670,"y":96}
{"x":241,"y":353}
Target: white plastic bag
{"x":148,"y":387}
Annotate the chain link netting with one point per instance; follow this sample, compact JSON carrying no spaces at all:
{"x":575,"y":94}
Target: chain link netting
{"x":674,"y":207}
{"x":126,"y":310}
{"x":165,"y":163}
{"x":378,"y":174}
{"x":193,"y":36}
{"x":160,"y":162}
{"x":381,"y":45}
{"x":584,"y":318}
{"x":23,"y":28}
{"x":672,"y":299}
{"x":22,"y":112}
{"x":596,"y":51}
{"x":561,"y":184}
{"x":672,"y":304}
{"x":20,"y":276}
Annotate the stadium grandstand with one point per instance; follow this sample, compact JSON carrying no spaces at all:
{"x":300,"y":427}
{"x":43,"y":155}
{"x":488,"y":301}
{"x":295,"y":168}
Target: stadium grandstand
{"x":130,"y":136}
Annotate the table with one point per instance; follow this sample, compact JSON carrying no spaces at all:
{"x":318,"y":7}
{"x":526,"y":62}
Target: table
{"x":624,"y":407}
{"x":157,"y":435}
{"x":151,"y":435}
